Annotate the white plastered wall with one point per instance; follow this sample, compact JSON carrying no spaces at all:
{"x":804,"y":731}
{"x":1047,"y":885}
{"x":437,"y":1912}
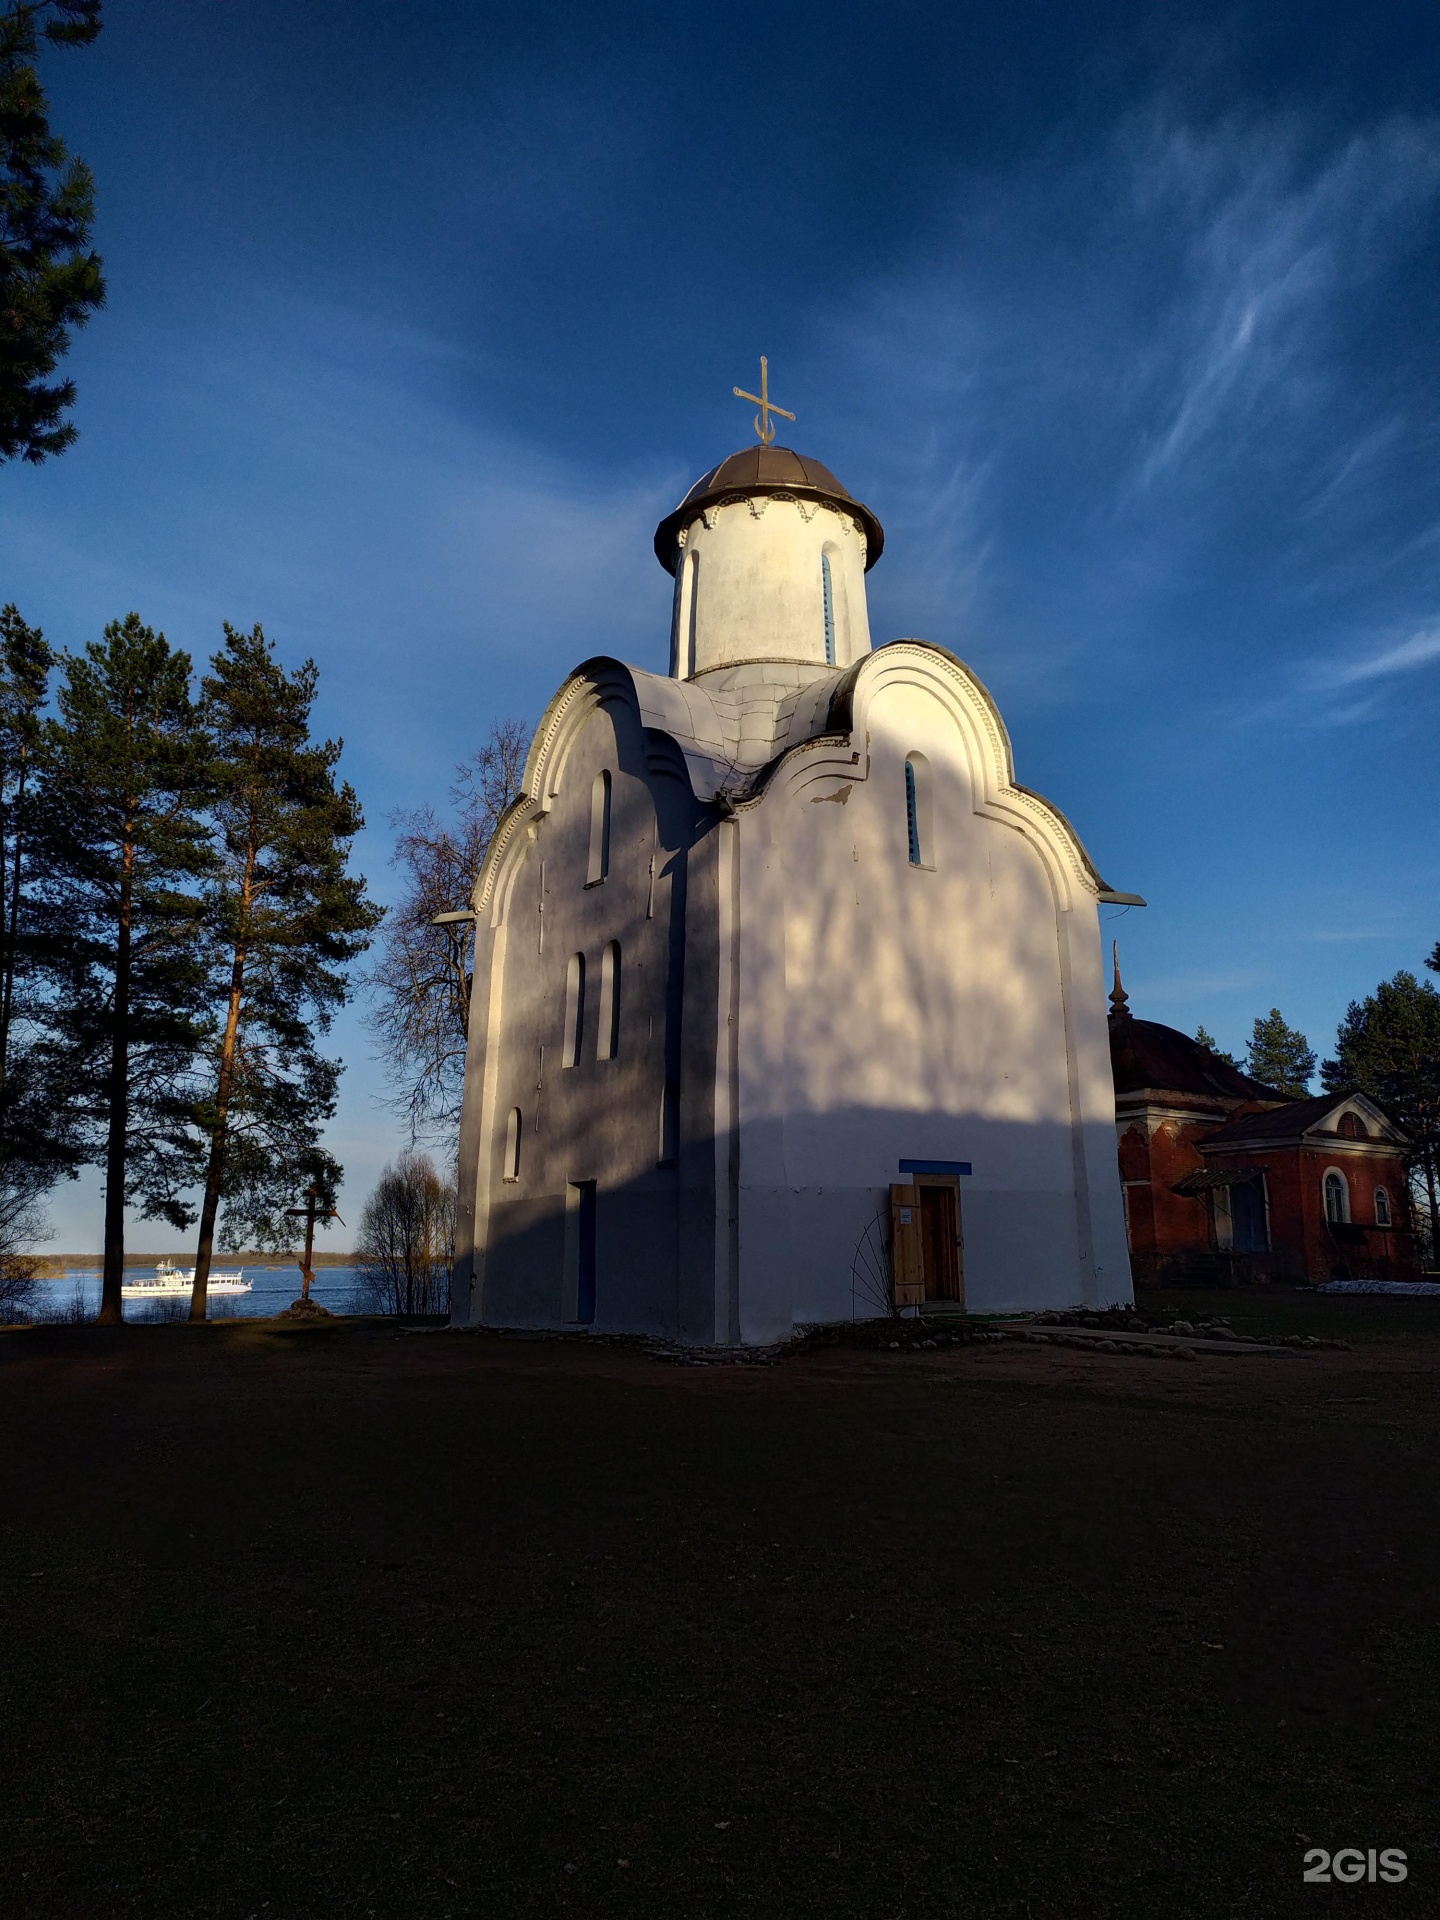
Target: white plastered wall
{"x":954,"y":1012}
{"x":750,"y":585}
{"x":598,"y":1118}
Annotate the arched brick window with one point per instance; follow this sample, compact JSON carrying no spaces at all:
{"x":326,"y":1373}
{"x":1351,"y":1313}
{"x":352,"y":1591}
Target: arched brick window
{"x":1337,"y":1199}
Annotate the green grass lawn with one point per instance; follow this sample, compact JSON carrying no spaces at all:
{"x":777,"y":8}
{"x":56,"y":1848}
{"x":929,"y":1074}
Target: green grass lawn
{"x":339,"y":1623}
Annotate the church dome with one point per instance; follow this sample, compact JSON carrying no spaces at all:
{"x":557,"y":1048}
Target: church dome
{"x":756,"y":470}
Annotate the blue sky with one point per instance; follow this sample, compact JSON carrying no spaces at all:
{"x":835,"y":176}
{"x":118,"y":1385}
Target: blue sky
{"x":1122,"y":319}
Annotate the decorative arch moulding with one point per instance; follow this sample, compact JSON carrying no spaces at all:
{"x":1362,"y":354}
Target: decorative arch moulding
{"x":597,"y":682}
{"x":758,"y":502}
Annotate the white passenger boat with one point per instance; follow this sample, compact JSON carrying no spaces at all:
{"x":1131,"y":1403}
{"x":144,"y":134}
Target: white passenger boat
{"x":170,"y":1280}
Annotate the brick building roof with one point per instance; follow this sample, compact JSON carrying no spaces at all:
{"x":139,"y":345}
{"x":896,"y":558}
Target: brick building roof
{"x":1283,"y":1125}
{"x":1143,"y":1054}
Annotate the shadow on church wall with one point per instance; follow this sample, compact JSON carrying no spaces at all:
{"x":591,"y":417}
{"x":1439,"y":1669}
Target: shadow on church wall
{"x":660,"y":1251}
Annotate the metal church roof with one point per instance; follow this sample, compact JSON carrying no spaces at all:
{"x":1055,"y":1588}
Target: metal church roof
{"x":765,"y":470}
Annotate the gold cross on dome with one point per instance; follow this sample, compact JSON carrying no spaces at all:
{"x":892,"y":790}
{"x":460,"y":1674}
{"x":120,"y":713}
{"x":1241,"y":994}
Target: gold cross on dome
{"x":763,"y":424}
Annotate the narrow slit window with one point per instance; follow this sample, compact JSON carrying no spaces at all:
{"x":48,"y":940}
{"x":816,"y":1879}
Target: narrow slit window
{"x":1382,"y":1207}
{"x":513,"y":1128}
{"x":917,"y":810}
{"x":692,"y":613}
{"x":574,"y":1010}
{"x":607,"y":1044}
{"x":599,"y":830}
{"x":827,"y":589}
{"x":677,"y":620}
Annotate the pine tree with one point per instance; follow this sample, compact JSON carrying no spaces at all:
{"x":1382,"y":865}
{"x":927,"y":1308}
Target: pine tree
{"x":49,"y":282}
{"x":122,"y":845}
{"x":25,"y":662}
{"x":36,"y":1144}
{"x":1280,"y":1056}
{"x":286,"y":918}
{"x":1389,"y":1047}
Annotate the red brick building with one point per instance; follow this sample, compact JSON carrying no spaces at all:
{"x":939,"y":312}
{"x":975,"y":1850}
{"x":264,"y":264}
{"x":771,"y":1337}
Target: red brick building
{"x":1228,"y":1180}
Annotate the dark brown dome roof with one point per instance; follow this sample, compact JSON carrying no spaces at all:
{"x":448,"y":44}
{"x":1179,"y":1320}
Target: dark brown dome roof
{"x":1144,"y":1054}
{"x":765,"y":470}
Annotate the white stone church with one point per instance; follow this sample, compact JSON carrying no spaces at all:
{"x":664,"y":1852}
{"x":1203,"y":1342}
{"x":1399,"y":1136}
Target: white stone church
{"x":788,"y":999}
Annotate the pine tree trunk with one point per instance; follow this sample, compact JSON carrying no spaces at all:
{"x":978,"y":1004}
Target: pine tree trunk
{"x":6,"y":961}
{"x":10,"y":921}
{"x":225,"y":1083}
{"x":219,"y":1139}
{"x":210,"y":1205}
{"x":112,"y":1305}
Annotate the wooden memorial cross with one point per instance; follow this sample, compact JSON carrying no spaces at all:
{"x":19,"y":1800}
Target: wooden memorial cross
{"x":310,"y":1213}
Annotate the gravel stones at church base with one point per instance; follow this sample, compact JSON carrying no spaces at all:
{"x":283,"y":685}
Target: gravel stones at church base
{"x":1127,"y":1331}
{"x":1147,"y":1349}
{"x":1116,"y":1333}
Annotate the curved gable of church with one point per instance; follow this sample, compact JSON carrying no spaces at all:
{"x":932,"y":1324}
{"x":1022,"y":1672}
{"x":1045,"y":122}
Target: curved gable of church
{"x":759,"y":725}
{"x":600,"y":684}
{"x":940,"y":677}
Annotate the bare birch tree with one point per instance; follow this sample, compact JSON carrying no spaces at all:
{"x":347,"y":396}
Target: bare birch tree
{"x":20,"y":1223}
{"x":406,"y":1243}
{"x":420,"y":988}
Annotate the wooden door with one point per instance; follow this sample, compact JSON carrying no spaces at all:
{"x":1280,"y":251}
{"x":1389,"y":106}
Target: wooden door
{"x":940,"y":1235}
{"x":907,"y":1257}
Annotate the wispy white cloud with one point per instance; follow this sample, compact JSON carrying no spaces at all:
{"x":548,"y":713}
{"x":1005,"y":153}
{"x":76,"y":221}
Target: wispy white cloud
{"x":1348,"y":467}
{"x":1235,"y":980}
{"x":1071,"y":353}
{"x":1269,"y":239}
{"x":1403,"y":656}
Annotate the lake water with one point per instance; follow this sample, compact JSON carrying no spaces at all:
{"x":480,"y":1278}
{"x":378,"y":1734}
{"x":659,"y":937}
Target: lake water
{"x":271,"y":1289}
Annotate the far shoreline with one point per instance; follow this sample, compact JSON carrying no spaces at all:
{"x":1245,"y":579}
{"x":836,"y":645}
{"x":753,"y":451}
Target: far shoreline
{"x":54,"y":1266}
